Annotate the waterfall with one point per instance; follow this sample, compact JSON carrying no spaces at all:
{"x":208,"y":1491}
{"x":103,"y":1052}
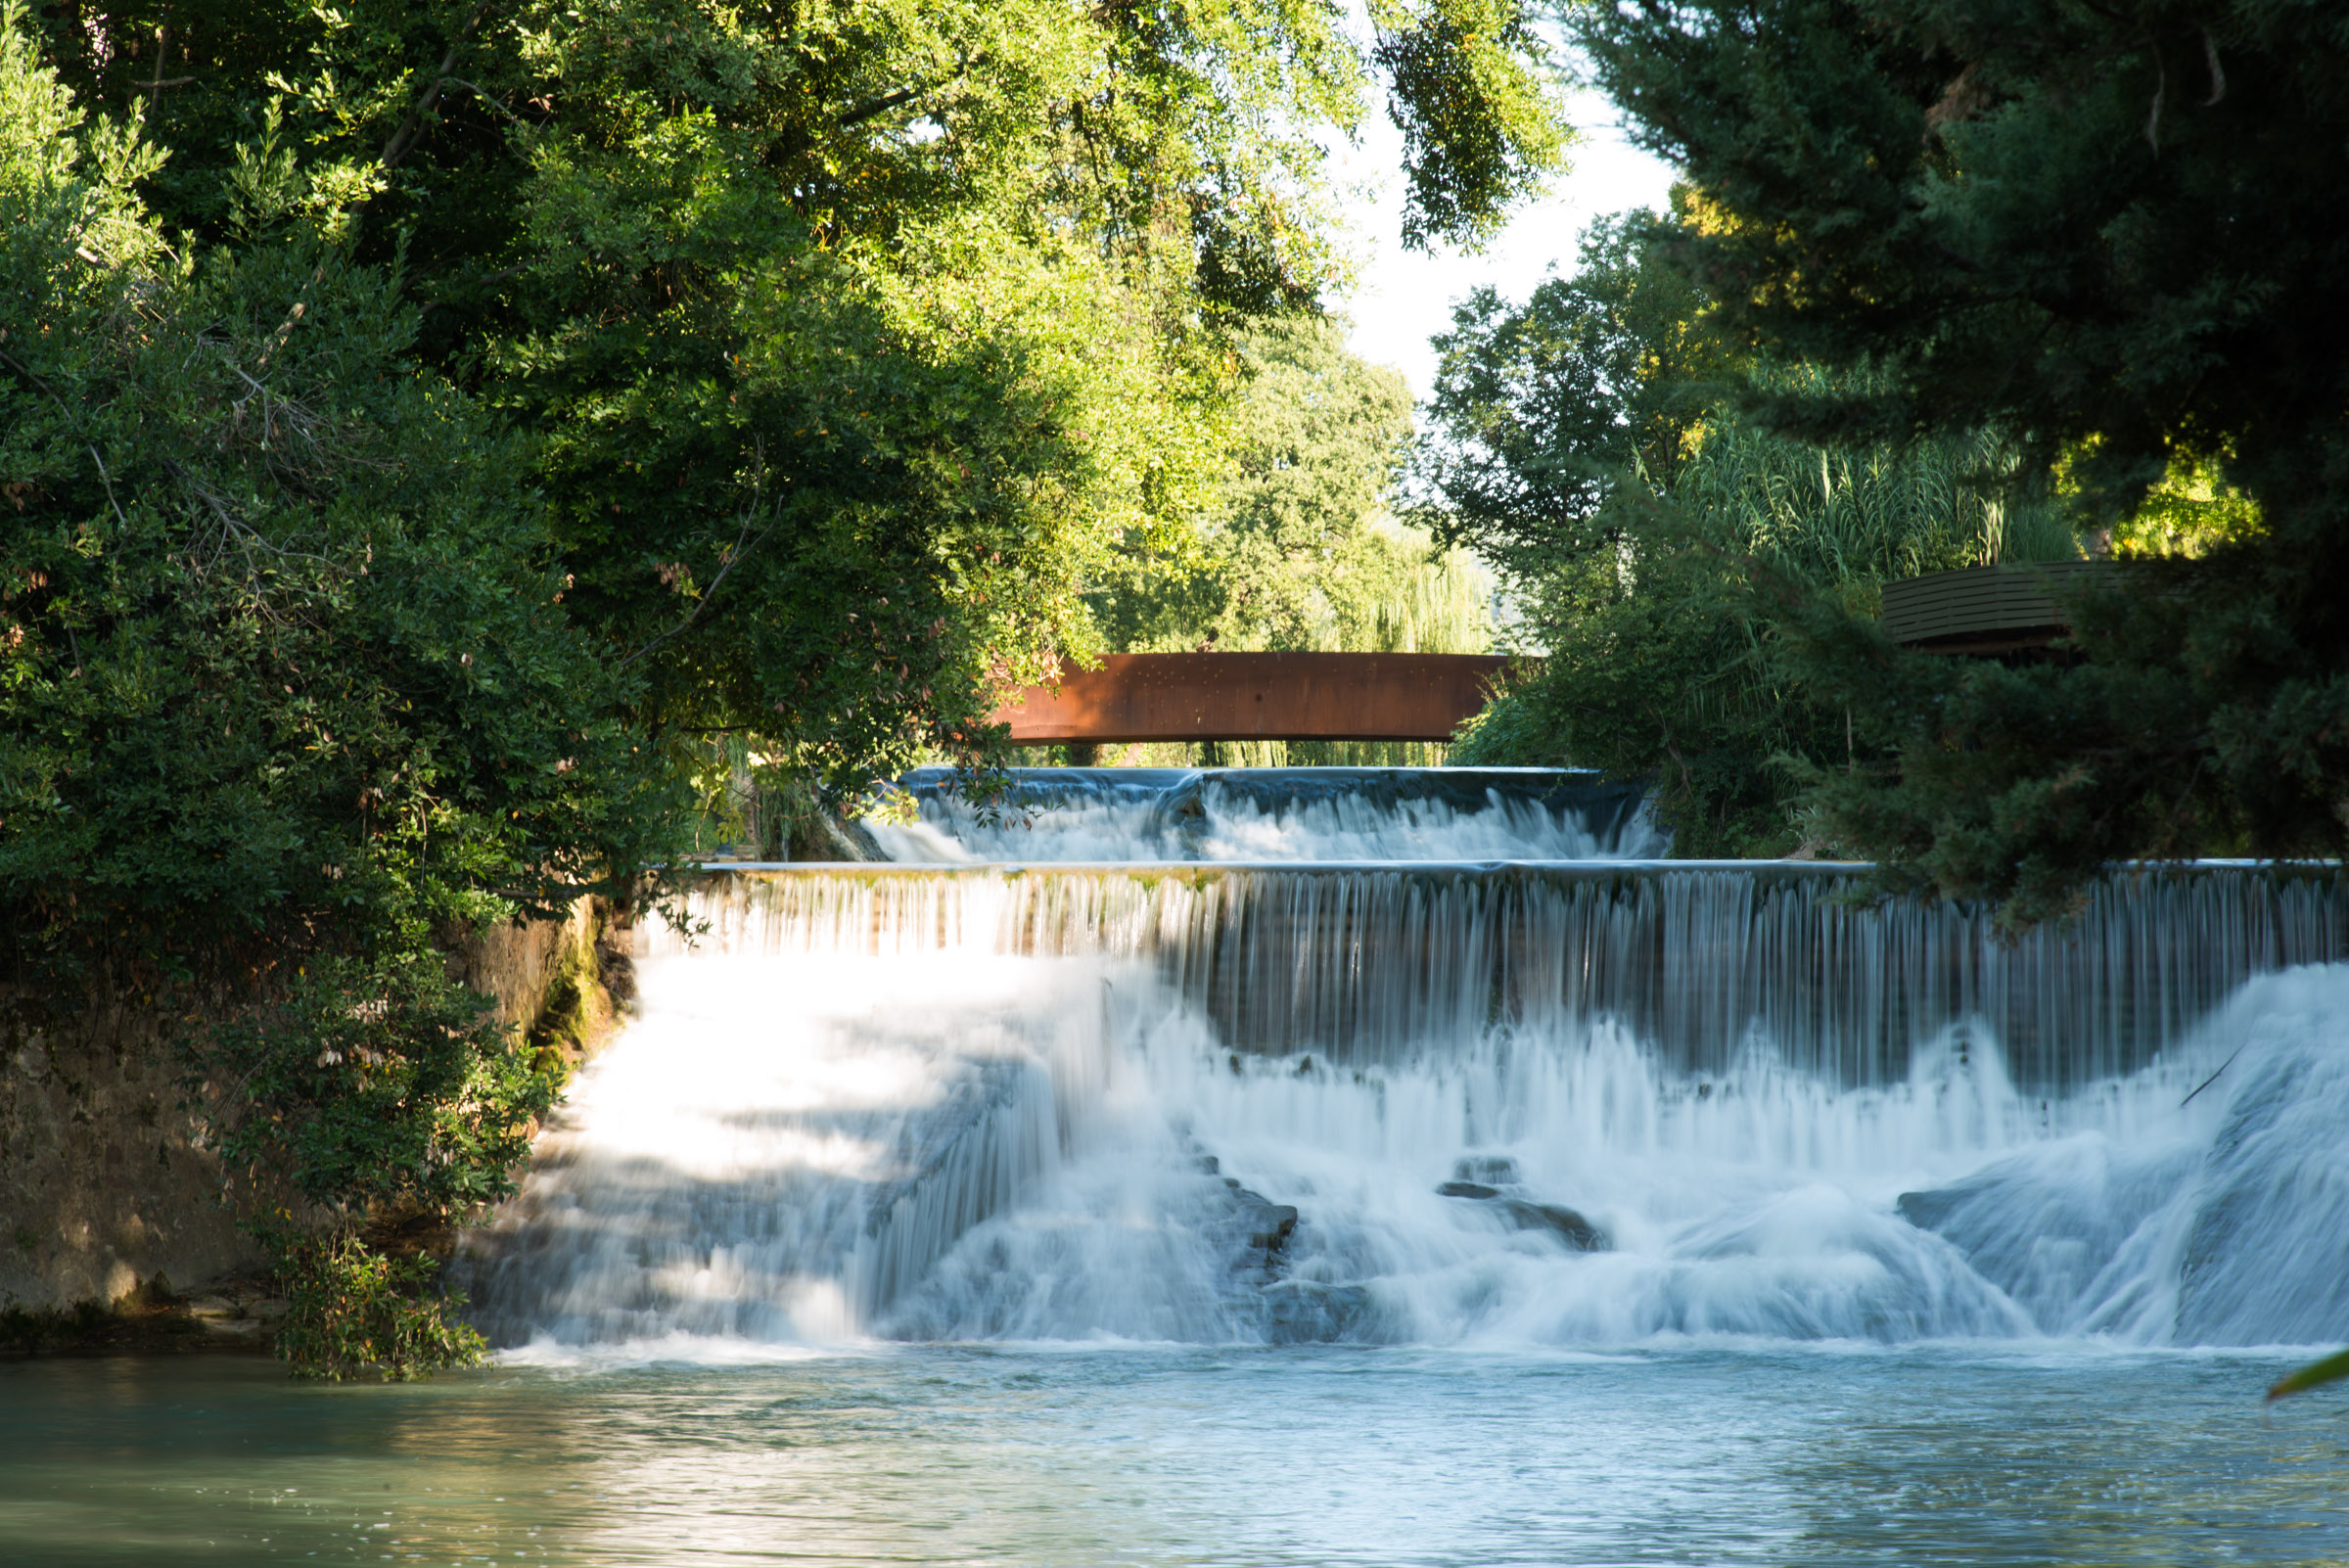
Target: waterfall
{"x":767,"y":1155}
{"x":1285,"y":813}
{"x":1704,"y":960}
{"x":1522,"y":1098}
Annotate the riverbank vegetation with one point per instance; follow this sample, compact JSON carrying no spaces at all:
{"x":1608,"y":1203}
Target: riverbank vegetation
{"x":2063,"y":252}
{"x":436,"y":438}
{"x":1664,"y":542}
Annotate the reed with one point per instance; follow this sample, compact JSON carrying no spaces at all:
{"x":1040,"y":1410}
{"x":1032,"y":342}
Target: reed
{"x":1863,"y":516}
{"x":1665,"y":661}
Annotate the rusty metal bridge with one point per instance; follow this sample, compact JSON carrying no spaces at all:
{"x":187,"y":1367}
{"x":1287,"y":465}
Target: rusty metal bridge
{"x":1256,"y":696}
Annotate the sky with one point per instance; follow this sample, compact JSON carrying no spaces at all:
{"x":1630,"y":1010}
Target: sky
{"x":1403,"y":297}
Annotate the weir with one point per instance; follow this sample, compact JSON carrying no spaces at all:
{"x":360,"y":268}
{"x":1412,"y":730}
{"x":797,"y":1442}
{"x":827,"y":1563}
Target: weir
{"x":1381,"y":963}
{"x":1280,"y":813}
{"x":1187,"y":1094}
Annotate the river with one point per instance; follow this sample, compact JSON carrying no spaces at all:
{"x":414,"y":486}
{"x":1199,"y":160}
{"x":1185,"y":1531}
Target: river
{"x":1311,"y":1168}
{"x":1157,"y":1454}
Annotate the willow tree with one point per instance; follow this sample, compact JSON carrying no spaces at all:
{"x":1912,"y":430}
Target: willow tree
{"x":1294,"y":546}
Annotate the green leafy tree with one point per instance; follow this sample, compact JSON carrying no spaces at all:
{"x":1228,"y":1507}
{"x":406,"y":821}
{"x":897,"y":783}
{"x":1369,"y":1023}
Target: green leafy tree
{"x":1541,"y":410}
{"x":1294,"y":548}
{"x":1470,"y":98}
{"x":854,"y":334}
{"x":288,"y":698}
{"x":1661,"y":546}
{"x":355,"y":1312}
{"x":2088,"y":227}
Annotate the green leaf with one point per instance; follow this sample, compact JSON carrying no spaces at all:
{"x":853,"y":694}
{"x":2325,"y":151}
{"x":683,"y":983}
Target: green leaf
{"x":2315,"y":1374}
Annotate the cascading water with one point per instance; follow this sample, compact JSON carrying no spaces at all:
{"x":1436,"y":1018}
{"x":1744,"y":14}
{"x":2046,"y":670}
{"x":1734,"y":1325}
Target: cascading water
{"x":1588,"y":1102}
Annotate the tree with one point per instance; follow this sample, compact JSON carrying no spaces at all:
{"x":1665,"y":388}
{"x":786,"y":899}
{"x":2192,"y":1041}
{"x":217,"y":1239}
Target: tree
{"x":854,"y":335}
{"x":287,"y":695}
{"x":2086,"y":227}
{"x":1294,"y":548}
{"x":1661,"y":546}
{"x":1540,"y":409}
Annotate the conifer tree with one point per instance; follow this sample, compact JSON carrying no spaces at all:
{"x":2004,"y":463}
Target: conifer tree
{"x":2105,"y":230}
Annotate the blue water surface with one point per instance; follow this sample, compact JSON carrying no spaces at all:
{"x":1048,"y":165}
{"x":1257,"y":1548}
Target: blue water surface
{"x":1184,"y":1456}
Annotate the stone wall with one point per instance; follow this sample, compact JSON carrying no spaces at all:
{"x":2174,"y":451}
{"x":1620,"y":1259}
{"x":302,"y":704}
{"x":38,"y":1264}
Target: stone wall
{"x":105,"y":1179}
{"x":546,"y":969}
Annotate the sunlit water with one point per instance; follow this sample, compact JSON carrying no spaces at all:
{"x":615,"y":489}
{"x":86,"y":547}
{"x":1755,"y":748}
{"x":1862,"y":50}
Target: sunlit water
{"x":1278,"y":813}
{"x":1561,"y":1209}
{"x":1154,"y":1454}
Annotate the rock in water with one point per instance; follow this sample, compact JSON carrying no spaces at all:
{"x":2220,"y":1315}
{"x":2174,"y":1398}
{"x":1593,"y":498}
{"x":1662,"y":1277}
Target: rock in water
{"x":1274,"y":1222}
{"x":1300,"y":1312}
{"x":1254,"y":1232}
{"x":1565,"y":1224}
{"x":1467,"y":1190}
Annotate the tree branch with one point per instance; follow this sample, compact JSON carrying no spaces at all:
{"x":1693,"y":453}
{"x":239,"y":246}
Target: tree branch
{"x":883,"y":105}
{"x":906,"y":95}
{"x":744,"y":543}
{"x":411,"y":130}
{"x":482,"y":93}
{"x":162,"y":43}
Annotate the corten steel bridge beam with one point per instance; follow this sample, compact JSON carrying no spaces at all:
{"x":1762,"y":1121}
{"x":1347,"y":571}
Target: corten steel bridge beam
{"x":1256,"y":696}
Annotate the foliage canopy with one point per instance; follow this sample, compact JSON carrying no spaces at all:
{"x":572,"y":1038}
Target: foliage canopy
{"x":1294,"y":549}
{"x":429,"y":428}
{"x":1662,"y":545}
{"x":2087,"y":228}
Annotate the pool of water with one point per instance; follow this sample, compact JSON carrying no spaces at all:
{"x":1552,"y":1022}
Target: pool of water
{"x":1024,"y":1455}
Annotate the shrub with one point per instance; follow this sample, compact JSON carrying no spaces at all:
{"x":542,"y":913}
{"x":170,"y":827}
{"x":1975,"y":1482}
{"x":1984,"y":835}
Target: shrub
{"x":356,"y":1313}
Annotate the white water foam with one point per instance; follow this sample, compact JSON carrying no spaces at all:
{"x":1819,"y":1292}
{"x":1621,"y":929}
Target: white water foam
{"x":949,"y":1143}
{"x":1068,"y":816}
{"x":1563,"y":1106}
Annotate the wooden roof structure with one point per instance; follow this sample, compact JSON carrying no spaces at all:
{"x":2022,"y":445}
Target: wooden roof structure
{"x":1984,"y":611}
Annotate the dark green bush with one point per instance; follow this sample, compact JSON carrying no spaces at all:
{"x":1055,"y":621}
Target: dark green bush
{"x":355,"y":1312}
